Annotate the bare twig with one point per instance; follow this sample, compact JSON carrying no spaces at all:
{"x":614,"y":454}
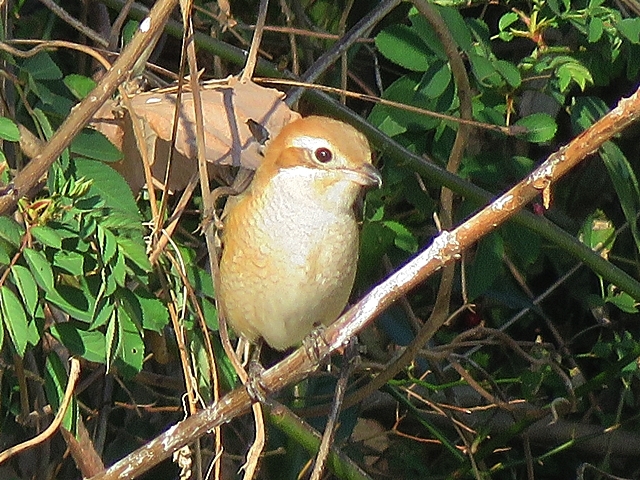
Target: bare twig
{"x":252,"y":59}
{"x":74,"y":373}
{"x":75,"y":23}
{"x":358,"y":31}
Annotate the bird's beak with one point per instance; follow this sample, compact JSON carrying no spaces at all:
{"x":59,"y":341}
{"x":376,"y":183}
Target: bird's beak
{"x":366,"y":175}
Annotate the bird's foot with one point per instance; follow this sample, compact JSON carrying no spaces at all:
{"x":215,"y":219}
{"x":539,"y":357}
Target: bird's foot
{"x":313,"y":344}
{"x":255,"y":388}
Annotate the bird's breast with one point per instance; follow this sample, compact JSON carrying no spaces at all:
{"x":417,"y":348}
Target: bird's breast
{"x":289,"y":260}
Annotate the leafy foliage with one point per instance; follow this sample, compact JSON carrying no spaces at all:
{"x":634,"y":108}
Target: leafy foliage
{"x":534,"y":337}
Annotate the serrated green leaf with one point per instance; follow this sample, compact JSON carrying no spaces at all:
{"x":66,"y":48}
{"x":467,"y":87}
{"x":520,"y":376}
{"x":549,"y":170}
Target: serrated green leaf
{"x":70,"y":261}
{"x":11,"y":231}
{"x":15,"y":320}
{"x":457,"y":27}
{"x":485,"y":71}
{"x":404,"y":239}
{"x":79,"y":304}
{"x":106,"y":243}
{"x":210,"y":313}
{"x":27,"y":287}
{"x":104,"y":312}
{"x":403,"y":46}
{"x":509,"y":72}
{"x":89,"y":345}
{"x":9,"y":130}
{"x":5,"y":252}
{"x":109,"y":185}
{"x":93,"y":145}
{"x":573,"y":71}
{"x":155,"y":315}
{"x":47,"y":236}
{"x":540,"y":127}
{"x":136,"y":252}
{"x":42,"y":67}
{"x":119,"y":269}
{"x":79,"y":85}
{"x":40,"y":268}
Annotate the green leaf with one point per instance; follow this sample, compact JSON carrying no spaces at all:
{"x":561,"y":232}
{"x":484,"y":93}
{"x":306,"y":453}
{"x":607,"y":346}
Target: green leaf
{"x":596,"y":27}
{"x":9,"y":130}
{"x":403,"y":46}
{"x":79,"y":85}
{"x":70,"y":261}
{"x":113,"y":339}
{"x":623,"y":301}
{"x":90,"y":345}
{"x":585,"y":111}
{"x":486,"y":267}
{"x":509,"y":72}
{"x":55,"y":385}
{"x":11,"y":231}
{"x":119,"y":269}
{"x":14,"y":319}
{"x":485,"y":71}
{"x":130,"y":346}
{"x":94,"y":145}
{"x":625,"y":184}
{"x":109,"y":185}
{"x":573,"y":71}
{"x":27,"y":287}
{"x":457,"y":27}
{"x":507,"y":20}
{"x":136,"y":252}
{"x":47,"y":236}
{"x":40,"y":268}
{"x":154,"y":313}
{"x":541,"y":127}
{"x":630,"y":28}
{"x":6,"y":251}
{"x":598,"y":233}
{"x":404,"y":239}
{"x":42,"y":67}
{"x":74,"y":301}
{"x":436,"y":80}
{"x":106,"y":243}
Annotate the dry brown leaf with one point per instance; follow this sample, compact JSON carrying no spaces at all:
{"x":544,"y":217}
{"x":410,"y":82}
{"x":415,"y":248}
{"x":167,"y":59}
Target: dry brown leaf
{"x":227,"y":107}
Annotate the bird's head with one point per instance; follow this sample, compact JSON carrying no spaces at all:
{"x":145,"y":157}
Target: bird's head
{"x":325,"y":150}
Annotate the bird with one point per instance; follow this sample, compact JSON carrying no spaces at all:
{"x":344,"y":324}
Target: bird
{"x":290,"y":241}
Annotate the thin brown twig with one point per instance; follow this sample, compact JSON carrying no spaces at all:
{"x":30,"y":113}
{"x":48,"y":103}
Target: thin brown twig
{"x":75,"y":23}
{"x":74,"y":374}
{"x":252,"y":59}
{"x":389,"y":103}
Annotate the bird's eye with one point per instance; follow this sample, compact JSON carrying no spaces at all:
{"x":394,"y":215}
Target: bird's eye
{"x":323,"y":155}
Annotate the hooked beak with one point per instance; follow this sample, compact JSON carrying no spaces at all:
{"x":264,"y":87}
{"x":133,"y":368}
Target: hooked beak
{"x":366,"y":175}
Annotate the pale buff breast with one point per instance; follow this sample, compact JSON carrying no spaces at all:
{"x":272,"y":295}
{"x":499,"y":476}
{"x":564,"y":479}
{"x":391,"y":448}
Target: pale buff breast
{"x":291,"y":262}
